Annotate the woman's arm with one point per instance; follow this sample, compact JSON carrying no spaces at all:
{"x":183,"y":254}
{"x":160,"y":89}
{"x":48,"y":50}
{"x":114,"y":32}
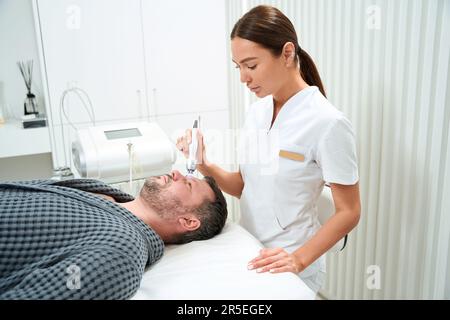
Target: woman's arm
{"x":229,"y":182}
{"x":348,"y":210}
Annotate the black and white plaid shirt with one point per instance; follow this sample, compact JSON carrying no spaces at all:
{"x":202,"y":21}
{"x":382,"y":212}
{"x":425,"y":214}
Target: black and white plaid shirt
{"x":58,"y":240}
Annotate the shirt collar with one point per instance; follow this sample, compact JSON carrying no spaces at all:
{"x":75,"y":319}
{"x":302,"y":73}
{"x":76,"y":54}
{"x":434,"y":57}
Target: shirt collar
{"x":294,"y":101}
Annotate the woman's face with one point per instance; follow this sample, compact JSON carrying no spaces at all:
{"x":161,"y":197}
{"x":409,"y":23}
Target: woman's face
{"x":262,"y":72}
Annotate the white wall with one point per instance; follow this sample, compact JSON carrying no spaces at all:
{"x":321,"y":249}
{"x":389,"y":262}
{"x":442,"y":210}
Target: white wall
{"x":18,"y":43}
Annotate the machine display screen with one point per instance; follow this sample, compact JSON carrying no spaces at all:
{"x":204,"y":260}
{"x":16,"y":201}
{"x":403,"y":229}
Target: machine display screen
{"x":123,"y":133}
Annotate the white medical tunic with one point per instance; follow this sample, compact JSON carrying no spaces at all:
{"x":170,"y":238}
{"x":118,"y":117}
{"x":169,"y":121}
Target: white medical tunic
{"x":284,"y":168}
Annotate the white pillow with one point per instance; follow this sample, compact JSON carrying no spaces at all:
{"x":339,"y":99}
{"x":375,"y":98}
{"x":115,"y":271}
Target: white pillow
{"x":217,"y":269}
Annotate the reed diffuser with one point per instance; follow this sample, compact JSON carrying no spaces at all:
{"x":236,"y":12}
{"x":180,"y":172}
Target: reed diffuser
{"x":30,"y":104}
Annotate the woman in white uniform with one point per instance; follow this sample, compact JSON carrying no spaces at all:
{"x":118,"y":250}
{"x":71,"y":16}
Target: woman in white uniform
{"x":295,"y":141}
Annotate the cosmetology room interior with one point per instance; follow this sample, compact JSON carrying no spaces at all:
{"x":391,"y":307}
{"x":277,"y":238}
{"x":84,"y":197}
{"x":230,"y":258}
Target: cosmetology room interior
{"x":353,"y":196}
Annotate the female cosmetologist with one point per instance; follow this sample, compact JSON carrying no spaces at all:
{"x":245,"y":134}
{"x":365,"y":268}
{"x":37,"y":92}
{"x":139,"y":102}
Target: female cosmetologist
{"x":315,"y":144}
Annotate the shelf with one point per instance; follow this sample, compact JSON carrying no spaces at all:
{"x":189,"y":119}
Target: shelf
{"x":16,"y":141}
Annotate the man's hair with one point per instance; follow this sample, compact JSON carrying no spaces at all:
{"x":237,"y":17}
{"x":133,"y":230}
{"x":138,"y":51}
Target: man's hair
{"x":212,"y":216}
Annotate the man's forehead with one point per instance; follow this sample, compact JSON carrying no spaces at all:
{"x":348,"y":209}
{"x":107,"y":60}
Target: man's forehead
{"x":205,"y":188}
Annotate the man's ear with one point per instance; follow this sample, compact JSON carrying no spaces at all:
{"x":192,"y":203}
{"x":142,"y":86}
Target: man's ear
{"x":189,"y":222}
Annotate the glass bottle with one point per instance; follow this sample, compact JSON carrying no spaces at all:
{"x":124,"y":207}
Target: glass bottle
{"x":30,"y":104}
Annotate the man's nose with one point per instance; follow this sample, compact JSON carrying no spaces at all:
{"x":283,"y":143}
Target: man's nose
{"x":176,"y":175}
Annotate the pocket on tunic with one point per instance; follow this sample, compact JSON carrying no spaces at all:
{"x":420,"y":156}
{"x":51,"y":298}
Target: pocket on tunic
{"x":294,"y":156}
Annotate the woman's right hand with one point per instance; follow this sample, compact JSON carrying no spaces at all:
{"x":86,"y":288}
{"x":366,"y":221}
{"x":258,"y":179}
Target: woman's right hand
{"x":184,"y":142}
{"x":229,"y":182}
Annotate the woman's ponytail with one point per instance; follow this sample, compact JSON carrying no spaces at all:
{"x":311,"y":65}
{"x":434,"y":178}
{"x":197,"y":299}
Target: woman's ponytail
{"x":308,"y":70}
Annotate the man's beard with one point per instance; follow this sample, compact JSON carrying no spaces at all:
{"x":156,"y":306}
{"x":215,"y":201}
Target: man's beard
{"x":157,"y":196}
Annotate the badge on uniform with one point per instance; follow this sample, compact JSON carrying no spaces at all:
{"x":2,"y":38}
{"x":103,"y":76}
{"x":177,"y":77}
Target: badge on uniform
{"x":292,"y":155}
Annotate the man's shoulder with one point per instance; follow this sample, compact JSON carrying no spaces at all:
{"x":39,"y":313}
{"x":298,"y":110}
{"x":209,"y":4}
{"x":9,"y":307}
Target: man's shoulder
{"x":46,"y":182}
{"x":97,"y":187}
{"x":35,"y":182}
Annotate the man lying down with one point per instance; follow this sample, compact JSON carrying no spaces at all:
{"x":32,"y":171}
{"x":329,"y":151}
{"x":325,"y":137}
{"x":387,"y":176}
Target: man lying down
{"x":82,"y":239}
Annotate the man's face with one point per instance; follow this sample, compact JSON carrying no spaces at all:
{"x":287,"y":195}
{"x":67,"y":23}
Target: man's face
{"x":173,"y":194}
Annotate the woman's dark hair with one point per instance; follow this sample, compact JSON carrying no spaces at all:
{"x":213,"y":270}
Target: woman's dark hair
{"x":270,"y":28}
{"x":212,"y":216}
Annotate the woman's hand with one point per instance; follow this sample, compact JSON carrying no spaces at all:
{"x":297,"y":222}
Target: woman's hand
{"x":183,"y":143}
{"x":275,"y":260}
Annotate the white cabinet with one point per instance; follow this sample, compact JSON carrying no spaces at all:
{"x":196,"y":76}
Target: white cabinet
{"x":16,"y":141}
{"x":97,"y":46}
{"x":186,"y":47}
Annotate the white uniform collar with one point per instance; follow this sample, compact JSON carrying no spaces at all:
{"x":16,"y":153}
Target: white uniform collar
{"x":294,"y":101}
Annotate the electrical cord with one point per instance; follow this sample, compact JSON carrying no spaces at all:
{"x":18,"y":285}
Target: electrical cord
{"x":62,"y":112}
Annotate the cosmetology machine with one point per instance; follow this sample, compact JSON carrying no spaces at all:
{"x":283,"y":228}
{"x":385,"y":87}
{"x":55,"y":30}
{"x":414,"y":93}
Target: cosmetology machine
{"x":123,"y":152}
{"x":191,"y":161}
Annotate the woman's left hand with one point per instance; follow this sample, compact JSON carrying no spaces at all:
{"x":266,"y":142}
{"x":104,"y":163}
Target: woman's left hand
{"x":275,"y":260}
